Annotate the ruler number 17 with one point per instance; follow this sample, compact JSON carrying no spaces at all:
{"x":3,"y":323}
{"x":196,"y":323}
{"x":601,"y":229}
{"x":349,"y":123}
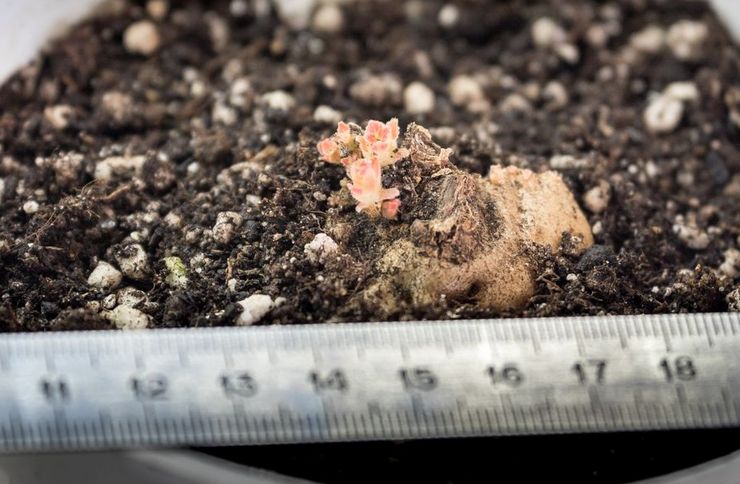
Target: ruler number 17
{"x":590,"y":371}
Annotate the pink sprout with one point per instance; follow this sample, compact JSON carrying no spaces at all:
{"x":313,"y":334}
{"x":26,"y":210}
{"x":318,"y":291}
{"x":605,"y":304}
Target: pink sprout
{"x":366,"y":186}
{"x":329,"y":150}
{"x":363,"y":155}
{"x":380,"y":141}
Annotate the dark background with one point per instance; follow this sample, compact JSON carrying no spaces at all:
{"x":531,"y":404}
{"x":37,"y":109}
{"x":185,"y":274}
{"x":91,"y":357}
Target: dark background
{"x":593,"y":458}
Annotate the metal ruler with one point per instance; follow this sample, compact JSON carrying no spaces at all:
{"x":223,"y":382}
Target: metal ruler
{"x":226,"y":386}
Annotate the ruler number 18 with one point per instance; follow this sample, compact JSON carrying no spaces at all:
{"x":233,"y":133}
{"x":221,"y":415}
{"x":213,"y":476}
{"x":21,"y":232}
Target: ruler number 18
{"x":681,"y":368}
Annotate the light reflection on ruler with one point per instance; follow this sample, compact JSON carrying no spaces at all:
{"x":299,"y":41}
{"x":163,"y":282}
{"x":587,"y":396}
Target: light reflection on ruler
{"x":226,"y":386}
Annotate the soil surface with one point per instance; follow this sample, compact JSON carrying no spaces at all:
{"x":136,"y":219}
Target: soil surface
{"x":183,"y":154}
{"x":105,"y":144}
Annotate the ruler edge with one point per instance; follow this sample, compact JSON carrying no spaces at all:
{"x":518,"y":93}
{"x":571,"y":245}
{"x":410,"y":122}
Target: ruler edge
{"x":191,"y":332}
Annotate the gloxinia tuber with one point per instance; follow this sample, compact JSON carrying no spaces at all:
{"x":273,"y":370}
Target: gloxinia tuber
{"x":363,"y":154}
{"x":465,"y":238}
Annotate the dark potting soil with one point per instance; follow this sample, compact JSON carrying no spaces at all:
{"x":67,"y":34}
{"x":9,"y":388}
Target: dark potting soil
{"x":103,"y":147}
{"x":672,"y":208}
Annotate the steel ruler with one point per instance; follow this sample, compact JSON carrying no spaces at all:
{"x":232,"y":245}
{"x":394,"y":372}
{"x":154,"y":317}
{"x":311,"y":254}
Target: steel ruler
{"x":258,"y":385}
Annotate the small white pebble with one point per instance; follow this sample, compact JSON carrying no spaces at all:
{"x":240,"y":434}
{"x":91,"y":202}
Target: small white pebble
{"x":253,"y":199}
{"x":117,"y":104}
{"x":109,"y":301}
{"x":141,"y":37}
{"x":130,"y":296}
{"x":448,"y":16}
{"x":571,"y":277}
{"x":240,"y":91}
{"x":568,"y":162}
{"x":686,"y":39}
{"x":683,"y":91}
{"x":731,"y":265}
{"x":133,"y":261}
{"x":296,"y":14}
{"x":231,"y":284}
{"x":177,"y":272}
{"x":115,"y":166}
{"x":105,"y":276}
{"x":377,"y":90}
{"x":691,"y":236}
{"x":733,"y":300}
{"x":328,"y":19}
{"x":193,"y":168}
{"x":547,"y":33}
{"x":651,"y":169}
{"x":515,"y":103}
{"x":649,"y":40}
{"x":663,"y":114}
{"x":31,"y":207}
{"x":326,"y":114}
{"x":223,"y":114}
{"x":225,"y":227}
{"x":126,"y":317}
{"x":418,"y":98}
{"x":157,"y":9}
{"x":556,"y":94}
{"x":320,"y":247}
{"x":218,"y":31}
{"x":329,"y":81}
{"x":67,"y":167}
{"x":173,"y":220}
{"x":465,"y":91}
{"x":198,"y":88}
{"x":58,"y":116}
{"x":597,"y":228}
{"x":199,"y":262}
{"x":568,"y":52}
{"x":255,"y":307}
{"x":238,"y":8}
{"x":278,"y":100}
{"x":598,"y":35}
{"x":597,"y":198}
